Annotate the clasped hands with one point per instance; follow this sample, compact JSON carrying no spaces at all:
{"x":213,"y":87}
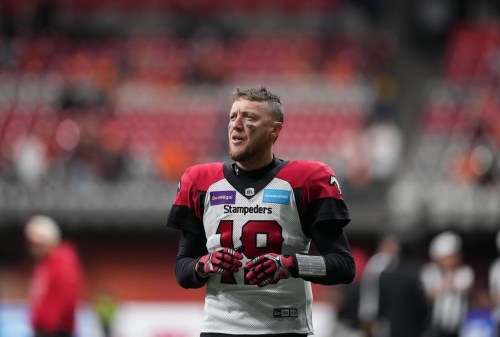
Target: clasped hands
{"x":261,"y":271}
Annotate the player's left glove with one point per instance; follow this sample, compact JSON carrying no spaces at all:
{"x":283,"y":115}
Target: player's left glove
{"x":270,"y":268}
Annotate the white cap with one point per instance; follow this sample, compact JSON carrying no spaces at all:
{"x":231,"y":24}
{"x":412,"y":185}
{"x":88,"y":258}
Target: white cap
{"x":445,"y":244}
{"x":42,"y":229}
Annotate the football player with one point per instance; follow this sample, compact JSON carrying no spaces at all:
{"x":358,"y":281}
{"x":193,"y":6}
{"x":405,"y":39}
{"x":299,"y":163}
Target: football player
{"x":247,"y":227}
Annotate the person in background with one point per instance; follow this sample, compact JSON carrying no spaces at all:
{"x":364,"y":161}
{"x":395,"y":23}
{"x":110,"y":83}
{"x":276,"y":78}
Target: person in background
{"x":372,"y":314}
{"x":447,"y":282}
{"x":247,"y":226}
{"x":402,"y":293}
{"x":105,"y":307}
{"x":494,"y":285}
{"x":57,"y":279}
{"x":345,"y":299}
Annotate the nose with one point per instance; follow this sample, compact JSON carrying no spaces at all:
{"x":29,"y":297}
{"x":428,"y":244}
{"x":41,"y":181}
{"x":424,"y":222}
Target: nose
{"x":237,"y":123}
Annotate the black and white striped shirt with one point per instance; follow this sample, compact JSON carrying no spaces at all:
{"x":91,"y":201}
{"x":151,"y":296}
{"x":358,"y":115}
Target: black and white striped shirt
{"x":449,"y":306}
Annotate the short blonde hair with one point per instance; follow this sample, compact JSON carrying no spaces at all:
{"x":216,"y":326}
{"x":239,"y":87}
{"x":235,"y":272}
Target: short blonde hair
{"x":262,"y":95}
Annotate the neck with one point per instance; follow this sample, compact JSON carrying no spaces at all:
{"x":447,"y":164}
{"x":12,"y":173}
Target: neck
{"x":256,"y":173}
{"x":255,"y":165}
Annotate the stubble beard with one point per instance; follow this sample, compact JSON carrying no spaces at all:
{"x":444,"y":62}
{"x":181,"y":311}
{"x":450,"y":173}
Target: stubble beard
{"x":249,"y":153}
{"x":240,"y":156}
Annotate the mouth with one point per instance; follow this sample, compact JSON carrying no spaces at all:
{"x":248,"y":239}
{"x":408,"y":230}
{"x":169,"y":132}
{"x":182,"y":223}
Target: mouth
{"x":235,"y":139}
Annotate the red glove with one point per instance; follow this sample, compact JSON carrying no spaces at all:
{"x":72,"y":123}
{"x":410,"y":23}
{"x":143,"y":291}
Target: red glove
{"x":270,"y":268}
{"x":218,"y":262}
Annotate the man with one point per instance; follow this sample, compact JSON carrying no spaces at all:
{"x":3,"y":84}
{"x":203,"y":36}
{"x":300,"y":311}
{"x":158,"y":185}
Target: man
{"x":402,"y":295}
{"x":105,"y":306}
{"x":373,"y":317}
{"x":494,"y":285}
{"x":247,"y":228}
{"x":55,"y":288}
{"x":447,"y":282}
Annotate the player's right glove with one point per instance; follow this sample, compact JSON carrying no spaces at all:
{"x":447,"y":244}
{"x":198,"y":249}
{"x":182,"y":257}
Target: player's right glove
{"x":218,"y":262}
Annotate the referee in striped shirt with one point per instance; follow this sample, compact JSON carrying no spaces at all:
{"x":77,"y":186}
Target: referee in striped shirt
{"x":447,"y":282}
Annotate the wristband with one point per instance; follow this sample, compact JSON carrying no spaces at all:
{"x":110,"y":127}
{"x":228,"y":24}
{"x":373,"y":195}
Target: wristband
{"x":311,"y":265}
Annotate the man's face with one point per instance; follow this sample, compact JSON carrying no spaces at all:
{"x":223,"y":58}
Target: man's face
{"x":451,"y":261}
{"x":38,"y":249}
{"x":251,"y":132}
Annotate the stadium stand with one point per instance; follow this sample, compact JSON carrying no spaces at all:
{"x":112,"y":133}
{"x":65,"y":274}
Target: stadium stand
{"x":116,"y":108}
{"x":453,"y":169}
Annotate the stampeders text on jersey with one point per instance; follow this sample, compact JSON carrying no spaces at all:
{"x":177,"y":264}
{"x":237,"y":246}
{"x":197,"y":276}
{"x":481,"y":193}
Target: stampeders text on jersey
{"x":246,"y":210}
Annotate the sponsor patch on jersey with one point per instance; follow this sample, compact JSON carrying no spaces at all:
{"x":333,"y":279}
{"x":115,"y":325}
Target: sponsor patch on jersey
{"x":285,"y":312}
{"x":222,"y":197}
{"x":276,"y":196}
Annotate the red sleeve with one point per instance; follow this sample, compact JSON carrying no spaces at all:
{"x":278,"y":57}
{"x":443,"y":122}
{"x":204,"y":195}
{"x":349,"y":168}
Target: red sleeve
{"x":316,"y":179}
{"x":186,"y":212}
{"x":187,"y":194}
{"x":321,"y":183}
{"x":318,"y":192}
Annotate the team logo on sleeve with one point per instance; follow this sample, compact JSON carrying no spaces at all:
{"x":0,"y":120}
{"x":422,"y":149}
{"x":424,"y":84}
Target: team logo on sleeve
{"x":276,"y":196}
{"x":334,"y":182}
{"x":222,"y":197}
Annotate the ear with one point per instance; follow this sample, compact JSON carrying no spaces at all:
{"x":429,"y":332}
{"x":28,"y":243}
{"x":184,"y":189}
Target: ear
{"x":277,"y":126}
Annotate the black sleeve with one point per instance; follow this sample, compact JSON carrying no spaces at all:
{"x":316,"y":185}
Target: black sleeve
{"x":331,"y":242}
{"x":191,"y":247}
{"x":184,"y":218}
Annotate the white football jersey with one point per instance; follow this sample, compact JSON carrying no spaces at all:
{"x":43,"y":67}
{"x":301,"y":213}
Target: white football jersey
{"x":267,"y":222}
{"x":272,"y":215}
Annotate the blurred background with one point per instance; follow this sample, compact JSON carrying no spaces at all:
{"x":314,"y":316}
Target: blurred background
{"x":104,"y":103}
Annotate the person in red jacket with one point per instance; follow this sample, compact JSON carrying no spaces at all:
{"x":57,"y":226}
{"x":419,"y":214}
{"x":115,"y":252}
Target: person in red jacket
{"x":57,"y":279}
